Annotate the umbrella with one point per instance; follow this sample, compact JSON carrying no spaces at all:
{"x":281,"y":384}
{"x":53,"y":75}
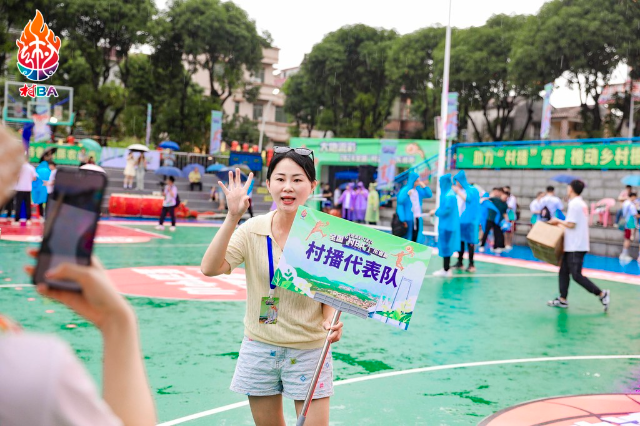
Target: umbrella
{"x":90,"y":144}
{"x":170,"y":145}
{"x":52,"y":150}
{"x":633,"y":180}
{"x":215,"y":167}
{"x":94,"y":168}
{"x":243,"y":168}
{"x":169,"y":171}
{"x":225,"y":172}
{"x":189,"y":168}
{"x":565,"y":178}
{"x":138,"y":147}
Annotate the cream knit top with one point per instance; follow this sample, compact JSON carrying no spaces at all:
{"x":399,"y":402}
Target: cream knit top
{"x":300,"y":318}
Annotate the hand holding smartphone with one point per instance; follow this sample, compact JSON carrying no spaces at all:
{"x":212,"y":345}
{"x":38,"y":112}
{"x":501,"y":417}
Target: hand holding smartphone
{"x":70,"y":228}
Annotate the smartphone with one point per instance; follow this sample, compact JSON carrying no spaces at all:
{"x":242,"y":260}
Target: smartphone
{"x":72,"y":216}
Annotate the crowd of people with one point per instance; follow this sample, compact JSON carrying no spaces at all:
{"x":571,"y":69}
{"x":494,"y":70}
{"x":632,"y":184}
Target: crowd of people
{"x":31,"y":185}
{"x":355,"y":203}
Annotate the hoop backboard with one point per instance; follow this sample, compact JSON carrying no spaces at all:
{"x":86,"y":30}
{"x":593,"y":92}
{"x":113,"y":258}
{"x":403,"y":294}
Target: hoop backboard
{"x":21,"y":109}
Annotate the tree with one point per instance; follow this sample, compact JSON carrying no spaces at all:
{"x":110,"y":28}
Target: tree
{"x":303,"y":101}
{"x":411,"y":65}
{"x":480,"y":58}
{"x":242,"y":129}
{"x":580,"y":40}
{"x":14,"y":15}
{"x":219,"y":38}
{"x":103,"y":35}
{"x":348,"y":67}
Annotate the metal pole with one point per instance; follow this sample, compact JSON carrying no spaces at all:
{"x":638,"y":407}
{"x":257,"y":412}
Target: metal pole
{"x":316,"y":375}
{"x":444,"y":101}
{"x":264,"y":118}
{"x":631,"y":111}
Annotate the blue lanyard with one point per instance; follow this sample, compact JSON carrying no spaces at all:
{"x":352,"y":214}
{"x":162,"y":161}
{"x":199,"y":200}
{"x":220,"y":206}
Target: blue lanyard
{"x":272,"y":286}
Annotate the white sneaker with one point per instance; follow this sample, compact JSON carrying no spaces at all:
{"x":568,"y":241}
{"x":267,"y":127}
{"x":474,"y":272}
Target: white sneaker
{"x":624,"y":257}
{"x":443,"y":273}
{"x":172,"y":229}
{"x":508,"y":248}
{"x":498,"y":251}
{"x":160,"y":227}
{"x":481,"y":250}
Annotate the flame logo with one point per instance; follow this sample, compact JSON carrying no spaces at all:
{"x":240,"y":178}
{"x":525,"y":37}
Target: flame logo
{"x":38,"y":49}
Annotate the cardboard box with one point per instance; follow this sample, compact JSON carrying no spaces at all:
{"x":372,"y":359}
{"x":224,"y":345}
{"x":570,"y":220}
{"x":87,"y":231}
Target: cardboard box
{"x":547,"y":242}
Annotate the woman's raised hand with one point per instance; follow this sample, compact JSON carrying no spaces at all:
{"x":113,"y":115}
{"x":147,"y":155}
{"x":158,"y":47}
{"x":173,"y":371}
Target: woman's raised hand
{"x":236,"y":193}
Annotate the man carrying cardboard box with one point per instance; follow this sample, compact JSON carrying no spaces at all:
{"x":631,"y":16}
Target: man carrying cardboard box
{"x":576,"y":246}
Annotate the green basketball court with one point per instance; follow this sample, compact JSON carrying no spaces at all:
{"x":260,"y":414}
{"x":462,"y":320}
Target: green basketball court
{"x":477,"y":343}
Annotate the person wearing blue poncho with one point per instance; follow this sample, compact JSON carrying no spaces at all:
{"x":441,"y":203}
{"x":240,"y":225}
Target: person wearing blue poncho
{"x":448,"y":225}
{"x":469,"y":217}
{"x":409,"y":208}
{"x":39,"y":193}
{"x":493,"y":217}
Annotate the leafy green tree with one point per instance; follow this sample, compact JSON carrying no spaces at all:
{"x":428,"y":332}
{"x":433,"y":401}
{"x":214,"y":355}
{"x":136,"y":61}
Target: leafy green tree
{"x":303,"y":102}
{"x":348,"y":67}
{"x":583,"y":41}
{"x":242,"y":129}
{"x":14,"y":15}
{"x":219,"y":38}
{"x":411,"y":65}
{"x":102,"y":34}
{"x":480,"y":58}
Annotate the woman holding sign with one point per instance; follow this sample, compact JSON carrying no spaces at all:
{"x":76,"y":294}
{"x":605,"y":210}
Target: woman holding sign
{"x":284,"y":331}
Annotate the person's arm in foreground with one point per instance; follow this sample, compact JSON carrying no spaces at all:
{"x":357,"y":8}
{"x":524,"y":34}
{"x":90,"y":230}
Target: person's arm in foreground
{"x":125,"y":385}
{"x":213,"y":262}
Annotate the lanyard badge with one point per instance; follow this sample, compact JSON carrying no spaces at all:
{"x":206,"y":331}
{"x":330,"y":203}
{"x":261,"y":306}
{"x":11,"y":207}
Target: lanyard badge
{"x":269,"y":306}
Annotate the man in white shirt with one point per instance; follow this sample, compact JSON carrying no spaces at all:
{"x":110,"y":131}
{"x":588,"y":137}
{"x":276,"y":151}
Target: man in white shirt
{"x":535,"y":208}
{"x":576,"y":246}
{"x":28,"y":175}
{"x":549,"y":204}
{"x":630,"y":215}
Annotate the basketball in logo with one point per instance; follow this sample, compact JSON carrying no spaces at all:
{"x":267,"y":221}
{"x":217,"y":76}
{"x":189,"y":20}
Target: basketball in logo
{"x":575,"y":410}
{"x":38,"y":50}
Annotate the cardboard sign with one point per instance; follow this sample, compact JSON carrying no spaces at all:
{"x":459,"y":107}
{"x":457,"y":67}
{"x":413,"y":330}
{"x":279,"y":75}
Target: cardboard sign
{"x":353,"y":268}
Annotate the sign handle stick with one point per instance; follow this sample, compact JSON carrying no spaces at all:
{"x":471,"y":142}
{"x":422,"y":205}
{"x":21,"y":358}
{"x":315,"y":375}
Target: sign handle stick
{"x":316,"y":375}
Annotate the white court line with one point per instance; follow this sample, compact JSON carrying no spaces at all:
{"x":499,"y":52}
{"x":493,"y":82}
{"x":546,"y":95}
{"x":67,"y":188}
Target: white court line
{"x":15,"y":285}
{"x":153,"y":223}
{"x":472,"y":275}
{"x":411,"y":371}
{"x":155,"y":234}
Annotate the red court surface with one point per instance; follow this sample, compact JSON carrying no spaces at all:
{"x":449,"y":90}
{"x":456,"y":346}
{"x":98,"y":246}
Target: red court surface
{"x":578,"y":410}
{"x":179,"y":282}
{"x":107,"y":233}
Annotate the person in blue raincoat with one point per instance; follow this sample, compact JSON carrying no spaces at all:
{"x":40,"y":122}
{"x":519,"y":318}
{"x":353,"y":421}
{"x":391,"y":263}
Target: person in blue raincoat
{"x":409,"y":207}
{"x":469,"y":217}
{"x":448,"y":225}
{"x":39,"y":193}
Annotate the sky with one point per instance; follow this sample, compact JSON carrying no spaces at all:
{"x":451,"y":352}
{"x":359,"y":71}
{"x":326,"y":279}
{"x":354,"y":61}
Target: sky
{"x":297,"y":25}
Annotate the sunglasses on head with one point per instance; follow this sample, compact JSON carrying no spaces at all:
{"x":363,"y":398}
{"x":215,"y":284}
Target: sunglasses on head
{"x":302,"y":151}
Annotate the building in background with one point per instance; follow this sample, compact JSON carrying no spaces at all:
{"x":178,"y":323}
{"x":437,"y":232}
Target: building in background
{"x":270,"y":101}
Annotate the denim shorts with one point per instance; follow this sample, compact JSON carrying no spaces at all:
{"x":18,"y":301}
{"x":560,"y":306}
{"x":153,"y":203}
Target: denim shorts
{"x":265,"y":370}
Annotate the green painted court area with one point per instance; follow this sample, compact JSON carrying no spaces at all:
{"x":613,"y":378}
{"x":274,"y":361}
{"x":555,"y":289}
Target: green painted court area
{"x":190,"y":347}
